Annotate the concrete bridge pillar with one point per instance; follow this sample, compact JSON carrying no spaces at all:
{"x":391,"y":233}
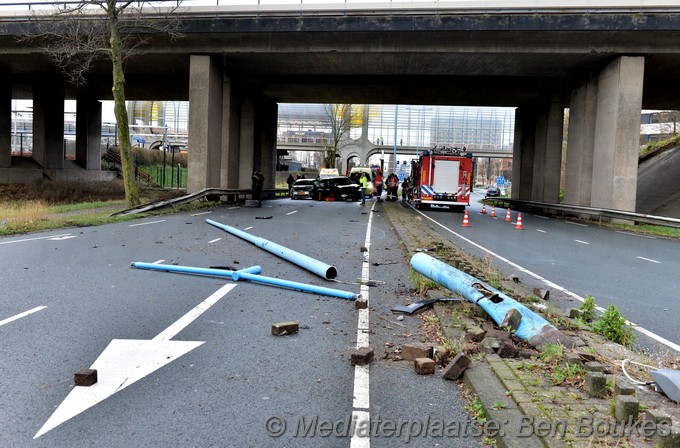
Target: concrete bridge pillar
{"x":88,"y":133}
{"x":523,"y":152}
{"x":617,"y":134}
{"x":231,"y":134}
{"x":266,"y":122}
{"x":5,"y":123}
{"x":548,"y":150}
{"x":579,"y":170}
{"x":205,"y":123}
{"x":48,"y":125}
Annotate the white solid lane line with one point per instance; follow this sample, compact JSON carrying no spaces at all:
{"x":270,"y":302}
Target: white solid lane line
{"x":582,"y":242}
{"x":542,"y":231}
{"x":36,"y":239}
{"x":575,"y":223}
{"x":214,"y":241}
{"x":635,"y":234}
{"x":20,"y":315}
{"x":649,"y":259}
{"x":201,"y":213}
{"x":147,"y":223}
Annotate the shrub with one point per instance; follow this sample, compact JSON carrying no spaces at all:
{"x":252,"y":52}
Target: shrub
{"x":588,"y":308}
{"x":613,"y":326}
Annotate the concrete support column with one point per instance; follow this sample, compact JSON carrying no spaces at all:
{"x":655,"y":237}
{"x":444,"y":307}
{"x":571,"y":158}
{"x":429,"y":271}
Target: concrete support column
{"x":48,"y":126}
{"x":267,"y":117}
{"x":617,"y":134}
{"x":548,"y":150}
{"x":247,"y":163}
{"x":5,"y":123}
{"x":579,"y":170}
{"x":523,"y":152}
{"x":231,"y":135}
{"x":88,"y":133}
{"x":205,"y":122}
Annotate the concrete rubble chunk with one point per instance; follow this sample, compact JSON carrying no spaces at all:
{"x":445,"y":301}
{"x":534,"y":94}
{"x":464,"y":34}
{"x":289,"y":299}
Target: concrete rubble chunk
{"x":362,"y":356}
{"x":572,"y":358}
{"x":575,"y":312}
{"x":672,"y":440}
{"x":85,"y":377}
{"x":657,"y":416}
{"x":512,"y":319}
{"x":411,"y":352}
{"x":456,"y":367}
{"x":424,"y":366}
{"x":627,"y":408}
{"x":284,"y":328}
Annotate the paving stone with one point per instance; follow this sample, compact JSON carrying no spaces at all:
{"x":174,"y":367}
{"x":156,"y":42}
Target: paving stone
{"x":424,"y":366}
{"x":657,"y":416}
{"x":572,"y":358}
{"x":361,"y":304}
{"x":475,"y":333}
{"x":596,"y":384}
{"x":500,"y":335}
{"x":594,"y":366}
{"x":542,"y":293}
{"x":411,"y":352}
{"x":575,"y":312}
{"x":489,"y":345}
{"x":623,"y":387}
{"x":672,"y":440}
{"x":627,"y":407}
{"x":456,"y":367}
{"x":512,"y":385}
{"x":507,"y":350}
{"x":85,"y":377}
{"x":283,"y":328}
{"x":511,"y":319}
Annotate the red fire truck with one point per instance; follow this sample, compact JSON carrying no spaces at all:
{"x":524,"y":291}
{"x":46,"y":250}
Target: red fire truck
{"x":442,"y":176}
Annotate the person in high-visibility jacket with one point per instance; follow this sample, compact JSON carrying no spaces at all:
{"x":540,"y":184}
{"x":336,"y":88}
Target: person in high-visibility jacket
{"x":363,"y":181}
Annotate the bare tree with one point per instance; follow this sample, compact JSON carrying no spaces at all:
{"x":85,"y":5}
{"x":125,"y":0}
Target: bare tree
{"x":76,"y":35}
{"x":340,"y":118}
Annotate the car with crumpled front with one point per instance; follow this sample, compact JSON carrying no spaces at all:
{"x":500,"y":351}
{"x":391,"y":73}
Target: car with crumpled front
{"x":302,"y":189}
{"x":340,"y":188}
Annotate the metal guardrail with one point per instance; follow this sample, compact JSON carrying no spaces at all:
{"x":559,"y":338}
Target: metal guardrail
{"x":638,"y":218}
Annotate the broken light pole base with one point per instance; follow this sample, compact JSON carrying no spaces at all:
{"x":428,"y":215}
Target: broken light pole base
{"x":532,"y":327}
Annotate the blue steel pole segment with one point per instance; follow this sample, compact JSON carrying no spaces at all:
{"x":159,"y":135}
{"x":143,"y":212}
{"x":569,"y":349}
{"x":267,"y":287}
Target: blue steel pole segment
{"x":532,"y":327}
{"x":315,"y":266}
{"x":192,"y":270}
{"x":251,"y":275}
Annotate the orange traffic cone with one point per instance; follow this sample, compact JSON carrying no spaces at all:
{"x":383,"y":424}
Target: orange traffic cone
{"x":483,"y":209}
{"x":493,"y":211}
{"x":507,"y":215}
{"x":518,"y":226}
{"x":466,"y":220}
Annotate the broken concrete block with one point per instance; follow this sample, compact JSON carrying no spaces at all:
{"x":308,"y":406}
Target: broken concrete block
{"x":489,"y":345}
{"x":596,"y":384}
{"x":362,"y":356}
{"x":507,"y":350}
{"x":283,"y":328}
{"x":527,"y":353}
{"x":411,"y":352}
{"x":424,"y":366}
{"x":512,"y":319}
{"x":85,"y":377}
{"x":361,"y":304}
{"x":627,"y":408}
{"x":456,"y":367}
{"x":542,"y":293}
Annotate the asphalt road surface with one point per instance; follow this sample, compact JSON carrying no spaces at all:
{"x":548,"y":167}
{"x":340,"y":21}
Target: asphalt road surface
{"x":637,"y":273}
{"x":190,"y":361}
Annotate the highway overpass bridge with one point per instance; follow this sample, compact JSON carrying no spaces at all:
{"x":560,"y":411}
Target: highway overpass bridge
{"x":605,"y":60}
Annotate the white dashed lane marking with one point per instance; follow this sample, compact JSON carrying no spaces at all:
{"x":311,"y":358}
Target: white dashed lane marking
{"x":649,"y":259}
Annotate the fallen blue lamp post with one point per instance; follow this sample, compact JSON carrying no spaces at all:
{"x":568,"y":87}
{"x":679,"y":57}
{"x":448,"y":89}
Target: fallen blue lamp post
{"x":315,"y":266}
{"x":532,"y":327}
{"x":251,"y":275}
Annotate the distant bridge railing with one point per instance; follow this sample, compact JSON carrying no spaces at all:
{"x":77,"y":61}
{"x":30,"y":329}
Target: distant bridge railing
{"x":594,"y":212}
{"x":241,"y":7}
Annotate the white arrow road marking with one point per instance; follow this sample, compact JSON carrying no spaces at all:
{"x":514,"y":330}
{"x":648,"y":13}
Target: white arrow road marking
{"x":126,"y":361}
